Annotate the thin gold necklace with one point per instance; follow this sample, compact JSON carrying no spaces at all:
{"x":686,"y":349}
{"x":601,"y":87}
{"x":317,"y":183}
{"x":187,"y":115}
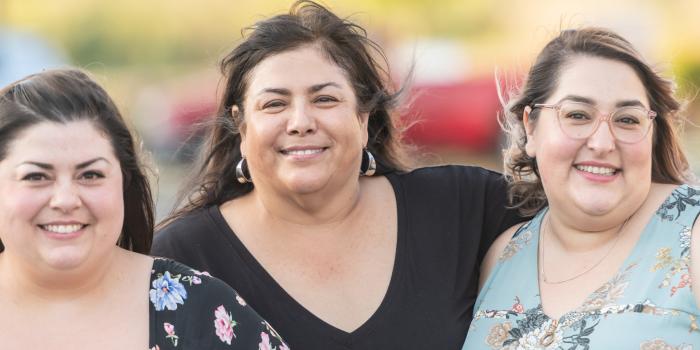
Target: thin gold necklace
{"x":544,"y":276}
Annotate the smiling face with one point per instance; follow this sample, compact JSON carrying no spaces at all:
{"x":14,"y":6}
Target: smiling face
{"x":596,"y":175}
{"x":302,"y":132}
{"x":62,"y":203}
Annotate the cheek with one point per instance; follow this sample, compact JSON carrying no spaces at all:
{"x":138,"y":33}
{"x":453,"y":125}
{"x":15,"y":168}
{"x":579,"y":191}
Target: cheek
{"x":555,"y":154}
{"x":22,"y":203}
{"x":106,"y":204}
{"x":637,"y":158}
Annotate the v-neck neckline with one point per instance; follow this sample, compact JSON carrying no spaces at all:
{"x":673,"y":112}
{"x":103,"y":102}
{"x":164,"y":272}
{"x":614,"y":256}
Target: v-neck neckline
{"x":297,"y":309}
{"x":631,"y":257}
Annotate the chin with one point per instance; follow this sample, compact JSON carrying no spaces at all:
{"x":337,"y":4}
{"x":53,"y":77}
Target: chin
{"x":306,"y":183}
{"x":65,"y":258}
{"x":597,"y":206}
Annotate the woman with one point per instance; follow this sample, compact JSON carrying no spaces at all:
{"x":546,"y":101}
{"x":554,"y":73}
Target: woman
{"x":76,"y":210}
{"x":608,"y":260}
{"x":277,"y":209}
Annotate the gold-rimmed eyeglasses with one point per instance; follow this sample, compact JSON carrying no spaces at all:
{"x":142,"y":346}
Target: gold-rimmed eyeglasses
{"x":580,"y":120}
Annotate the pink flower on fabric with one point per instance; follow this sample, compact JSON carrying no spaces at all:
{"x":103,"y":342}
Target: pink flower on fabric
{"x":201,"y":273}
{"x":169,"y":328}
{"x":224,"y":324}
{"x":265,"y":342}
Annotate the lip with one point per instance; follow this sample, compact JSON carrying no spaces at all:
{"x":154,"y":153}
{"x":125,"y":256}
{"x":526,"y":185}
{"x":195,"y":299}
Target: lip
{"x":62,"y":236}
{"x":303,"y":152}
{"x":599,"y":178}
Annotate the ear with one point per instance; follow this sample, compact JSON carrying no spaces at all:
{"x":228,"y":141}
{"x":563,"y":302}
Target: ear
{"x":363,"y":118}
{"x":529,"y":132}
{"x":235,"y":114}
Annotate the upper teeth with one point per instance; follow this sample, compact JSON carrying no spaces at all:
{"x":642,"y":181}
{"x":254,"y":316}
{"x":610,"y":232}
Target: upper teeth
{"x":304,"y":151}
{"x":63,"y":228}
{"x":596,"y":169}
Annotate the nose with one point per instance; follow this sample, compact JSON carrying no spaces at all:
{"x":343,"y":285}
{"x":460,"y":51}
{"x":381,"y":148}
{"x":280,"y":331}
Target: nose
{"x":65,"y":197}
{"x":301,"y":121}
{"x":602,"y":140}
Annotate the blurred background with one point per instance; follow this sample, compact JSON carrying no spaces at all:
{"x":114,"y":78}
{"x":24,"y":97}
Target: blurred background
{"x":158,"y":59}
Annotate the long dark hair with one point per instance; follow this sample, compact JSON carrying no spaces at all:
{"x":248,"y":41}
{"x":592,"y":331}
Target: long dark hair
{"x":213,"y":180}
{"x":669,"y":163}
{"x":66,"y":95}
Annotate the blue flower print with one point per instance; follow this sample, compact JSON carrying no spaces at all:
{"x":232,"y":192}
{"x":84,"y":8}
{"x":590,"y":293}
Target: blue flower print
{"x":167,"y":292}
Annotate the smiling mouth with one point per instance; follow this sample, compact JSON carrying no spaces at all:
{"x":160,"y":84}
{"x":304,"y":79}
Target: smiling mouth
{"x":303,"y":152}
{"x":597,"y":170}
{"x":63,"y":228}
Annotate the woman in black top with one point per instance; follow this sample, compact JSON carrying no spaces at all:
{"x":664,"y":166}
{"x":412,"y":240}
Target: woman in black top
{"x":277,"y":209}
{"x":75,"y":212}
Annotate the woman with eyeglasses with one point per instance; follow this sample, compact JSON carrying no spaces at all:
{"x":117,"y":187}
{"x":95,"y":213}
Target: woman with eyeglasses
{"x":607,"y":261}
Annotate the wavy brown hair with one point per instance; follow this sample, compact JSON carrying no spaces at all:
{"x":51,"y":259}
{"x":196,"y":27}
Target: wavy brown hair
{"x":67,"y":95}
{"x":345,"y":43}
{"x":669,"y":163}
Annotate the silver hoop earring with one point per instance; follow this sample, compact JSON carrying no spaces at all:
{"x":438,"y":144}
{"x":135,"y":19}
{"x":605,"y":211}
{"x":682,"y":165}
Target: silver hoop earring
{"x":240,"y":174}
{"x":371,"y":164}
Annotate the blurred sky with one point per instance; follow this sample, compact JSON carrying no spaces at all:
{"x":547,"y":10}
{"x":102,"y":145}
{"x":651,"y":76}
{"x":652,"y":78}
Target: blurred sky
{"x":156,"y":56}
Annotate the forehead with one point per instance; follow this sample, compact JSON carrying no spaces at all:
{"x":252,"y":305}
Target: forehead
{"x":300,"y":67}
{"x":605,"y":81}
{"x":52,"y":142}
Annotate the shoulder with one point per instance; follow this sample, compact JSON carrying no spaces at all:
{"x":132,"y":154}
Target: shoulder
{"x":183,"y":232}
{"x":448,"y":172}
{"x":495,"y":251}
{"x":193,"y":220}
{"x":197,"y":299}
{"x":452,"y":179}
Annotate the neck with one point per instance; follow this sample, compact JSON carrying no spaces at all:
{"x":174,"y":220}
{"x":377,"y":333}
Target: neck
{"x":579,"y":239}
{"x":32,"y":282}
{"x":314,"y":209}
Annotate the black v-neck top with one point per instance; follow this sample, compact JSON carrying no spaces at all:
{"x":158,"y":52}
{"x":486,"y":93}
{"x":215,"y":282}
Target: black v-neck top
{"x":448,"y":217}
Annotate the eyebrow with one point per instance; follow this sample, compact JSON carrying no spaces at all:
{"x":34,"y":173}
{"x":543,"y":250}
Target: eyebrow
{"x":311,"y":89}
{"x":82,"y":165}
{"x":590,"y":101}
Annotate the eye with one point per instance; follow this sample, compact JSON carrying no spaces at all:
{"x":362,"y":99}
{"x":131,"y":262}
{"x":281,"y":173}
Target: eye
{"x":627,"y":120}
{"x":578,"y":115}
{"x":274,"y":105}
{"x":35,"y":177}
{"x":325,"y":99}
{"x":91,"y":175}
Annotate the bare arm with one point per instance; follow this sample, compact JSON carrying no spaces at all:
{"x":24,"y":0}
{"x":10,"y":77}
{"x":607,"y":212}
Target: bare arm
{"x":495,"y":251}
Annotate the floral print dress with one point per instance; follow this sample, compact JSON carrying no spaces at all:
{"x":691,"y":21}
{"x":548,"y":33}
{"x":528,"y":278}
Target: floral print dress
{"x":647,"y":305}
{"x":192,"y":310}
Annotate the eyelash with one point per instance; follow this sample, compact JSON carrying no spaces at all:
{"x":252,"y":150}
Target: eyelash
{"x":34,"y":177}
{"x":273,"y":104}
{"x":92,"y":175}
{"x":326,"y":99}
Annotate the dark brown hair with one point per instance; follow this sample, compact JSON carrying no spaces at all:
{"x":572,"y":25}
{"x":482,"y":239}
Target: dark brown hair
{"x":345,"y":43}
{"x":66,"y":95}
{"x":669,"y":163}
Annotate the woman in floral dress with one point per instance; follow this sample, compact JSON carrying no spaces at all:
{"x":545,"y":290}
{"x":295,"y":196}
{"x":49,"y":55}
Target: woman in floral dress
{"x":609,"y":258}
{"x":75,"y":211}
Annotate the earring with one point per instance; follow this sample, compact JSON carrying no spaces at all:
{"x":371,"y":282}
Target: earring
{"x":367,"y":158}
{"x":240,"y":174}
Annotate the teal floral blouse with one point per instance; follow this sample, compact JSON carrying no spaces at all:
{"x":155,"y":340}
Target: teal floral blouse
{"x":648,"y":305}
{"x":192,"y":310}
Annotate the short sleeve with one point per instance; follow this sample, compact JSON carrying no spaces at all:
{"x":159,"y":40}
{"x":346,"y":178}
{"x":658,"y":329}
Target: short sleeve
{"x":498,"y":215}
{"x":192,"y":310}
